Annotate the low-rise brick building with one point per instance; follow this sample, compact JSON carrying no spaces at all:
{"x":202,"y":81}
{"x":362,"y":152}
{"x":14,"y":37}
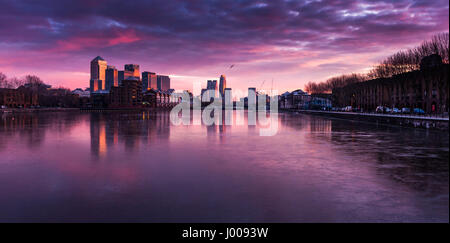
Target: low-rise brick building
{"x":20,"y":97}
{"x":426,"y":89}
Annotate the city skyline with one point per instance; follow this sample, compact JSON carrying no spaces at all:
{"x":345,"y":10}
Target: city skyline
{"x":291,"y":42}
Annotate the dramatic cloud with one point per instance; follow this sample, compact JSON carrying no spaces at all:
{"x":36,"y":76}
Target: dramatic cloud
{"x":290,"y":41}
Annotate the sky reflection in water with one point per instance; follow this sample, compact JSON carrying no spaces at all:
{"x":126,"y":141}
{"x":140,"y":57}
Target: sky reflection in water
{"x":138,"y":167}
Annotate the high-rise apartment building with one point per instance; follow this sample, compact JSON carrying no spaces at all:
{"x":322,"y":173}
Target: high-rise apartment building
{"x":128,"y":94}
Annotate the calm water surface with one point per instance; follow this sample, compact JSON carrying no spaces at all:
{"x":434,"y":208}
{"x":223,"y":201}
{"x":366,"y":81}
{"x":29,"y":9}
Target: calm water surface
{"x":138,"y":167}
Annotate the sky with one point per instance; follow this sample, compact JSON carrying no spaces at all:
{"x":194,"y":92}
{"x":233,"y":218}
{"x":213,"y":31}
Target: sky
{"x":279,"y":44}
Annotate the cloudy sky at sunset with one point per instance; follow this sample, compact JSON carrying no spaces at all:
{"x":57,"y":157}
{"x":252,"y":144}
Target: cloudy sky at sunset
{"x":291,"y":42}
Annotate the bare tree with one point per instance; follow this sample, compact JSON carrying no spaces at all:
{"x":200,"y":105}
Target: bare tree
{"x":33,"y":80}
{"x":400,"y":62}
{"x":409,"y":60}
{"x":334,"y":82}
{"x":3,"y":80}
{"x":16,"y":82}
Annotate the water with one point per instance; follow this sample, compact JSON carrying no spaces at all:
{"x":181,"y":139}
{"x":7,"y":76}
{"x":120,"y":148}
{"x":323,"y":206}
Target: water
{"x":138,"y":167}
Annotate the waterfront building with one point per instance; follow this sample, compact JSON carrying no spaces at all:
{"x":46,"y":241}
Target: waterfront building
{"x":149,"y":81}
{"x":100,"y":99}
{"x":426,"y":89}
{"x":222,"y":85}
{"x":319,"y":102}
{"x":128,"y":94}
{"x":297,"y":99}
{"x":111,"y":77}
{"x":149,"y":98}
{"x":20,"y":97}
{"x":81,"y":93}
{"x":158,"y":98}
{"x":98,"y":72}
{"x":163,"y":82}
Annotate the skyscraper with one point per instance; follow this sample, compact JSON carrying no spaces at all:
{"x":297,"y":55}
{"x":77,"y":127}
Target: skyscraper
{"x":98,"y":72}
{"x":211,"y":87}
{"x":111,"y":77}
{"x":222,"y":85}
{"x":228,"y":97}
{"x":95,"y":85}
{"x":133,"y":69}
{"x":124,"y":75}
{"x":149,"y":81}
{"x":163,"y":82}
{"x":251,"y":98}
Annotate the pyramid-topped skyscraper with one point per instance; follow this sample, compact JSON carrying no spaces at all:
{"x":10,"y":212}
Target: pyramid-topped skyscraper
{"x":98,"y":74}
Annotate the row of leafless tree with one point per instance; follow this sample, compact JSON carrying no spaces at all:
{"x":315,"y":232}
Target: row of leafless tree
{"x":334,"y":82}
{"x":13,"y":83}
{"x":400,"y":62}
{"x":409,"y":60}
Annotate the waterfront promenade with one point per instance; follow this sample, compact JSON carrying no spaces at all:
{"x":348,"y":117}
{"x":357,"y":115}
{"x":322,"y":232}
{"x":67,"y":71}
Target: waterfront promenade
{"x":408,"y":120}
{"x":31,"y":110}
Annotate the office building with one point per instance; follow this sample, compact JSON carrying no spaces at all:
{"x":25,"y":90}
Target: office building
{"x":228,"y":96}
{"x":98,"y":72}
{"x":222,"y":85}
{"x":163,"y":82}
{"x":124,"y":75}
{"x":111,"y":77}
{"x":211,"y":85}
{"x":133,"y":70}
{"x":149,"y":81}
{"x":95,"y":85}
{"x":251,"y":98}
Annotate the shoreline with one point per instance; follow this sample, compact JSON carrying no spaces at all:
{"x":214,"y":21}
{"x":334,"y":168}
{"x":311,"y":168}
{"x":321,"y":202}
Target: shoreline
{"x":423,"y":122}
{"x":54,"y":109}
{"x":34,"y":110}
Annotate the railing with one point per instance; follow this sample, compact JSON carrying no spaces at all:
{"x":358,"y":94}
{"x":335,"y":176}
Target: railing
{"x":400,"y":115}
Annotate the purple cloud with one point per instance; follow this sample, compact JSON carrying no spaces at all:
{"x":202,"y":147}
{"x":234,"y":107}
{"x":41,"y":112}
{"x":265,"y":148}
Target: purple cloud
{"x":297,"y":38}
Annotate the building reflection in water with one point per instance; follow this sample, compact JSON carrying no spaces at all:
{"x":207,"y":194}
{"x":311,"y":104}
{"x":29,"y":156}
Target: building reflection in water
{"x":31,"y":128}
{"x":389,"y":146}
{"x":313,"y":164}
{"x":112,"y":129}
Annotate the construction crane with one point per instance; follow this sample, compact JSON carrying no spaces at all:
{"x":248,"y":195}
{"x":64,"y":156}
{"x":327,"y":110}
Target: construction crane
{"x":262,"y":84}
{"x":271,"y":89}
